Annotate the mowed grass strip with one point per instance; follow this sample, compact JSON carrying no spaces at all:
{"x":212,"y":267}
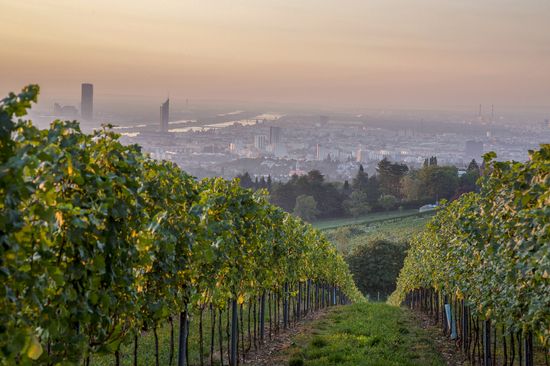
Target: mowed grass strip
{"x":365,"y":334}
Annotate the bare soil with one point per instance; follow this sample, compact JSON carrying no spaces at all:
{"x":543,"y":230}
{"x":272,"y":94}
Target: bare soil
{"x":272,"y":353}
{"x":447,"y":348}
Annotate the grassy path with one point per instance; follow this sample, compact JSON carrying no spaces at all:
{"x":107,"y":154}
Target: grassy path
{"x":363,"y":334}
{"x":354,"y":335}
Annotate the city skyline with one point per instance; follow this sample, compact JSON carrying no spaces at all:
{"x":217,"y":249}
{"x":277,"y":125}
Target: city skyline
{"x":369,"y":54}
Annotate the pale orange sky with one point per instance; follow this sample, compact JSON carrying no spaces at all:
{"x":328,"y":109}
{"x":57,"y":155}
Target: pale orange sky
{"x":410,"y":53}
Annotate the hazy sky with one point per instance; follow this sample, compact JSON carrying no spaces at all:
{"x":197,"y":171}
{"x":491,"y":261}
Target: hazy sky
{"x":409,"y":53}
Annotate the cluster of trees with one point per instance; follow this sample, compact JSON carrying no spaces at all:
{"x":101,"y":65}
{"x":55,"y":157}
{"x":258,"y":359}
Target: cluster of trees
{"x":99,"y":243}
{"x":433,"y":182}
{"x":309,"y":196}
{"x":247,"y":182}
{"x":394,"y":185}
{"x":375,"y":266}
{"x":401,"y":186}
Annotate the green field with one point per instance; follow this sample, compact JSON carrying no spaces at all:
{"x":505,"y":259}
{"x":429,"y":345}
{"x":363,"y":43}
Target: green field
{"x":370,"y":218}
{"x":364,"y":334}
{"x":397,"y":229}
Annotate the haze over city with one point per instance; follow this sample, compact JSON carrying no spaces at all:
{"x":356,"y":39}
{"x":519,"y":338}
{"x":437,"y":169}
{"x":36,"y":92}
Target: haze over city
{"x":425,"y":54}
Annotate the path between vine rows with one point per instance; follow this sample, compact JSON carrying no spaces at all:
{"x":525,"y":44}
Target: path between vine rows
{"x":360,"y":334}
{"x":273,"y":351}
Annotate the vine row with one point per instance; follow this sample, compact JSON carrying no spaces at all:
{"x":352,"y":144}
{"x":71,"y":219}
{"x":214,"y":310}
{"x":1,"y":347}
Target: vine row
{"x":486,"y":257}
{"x":99,"y":243}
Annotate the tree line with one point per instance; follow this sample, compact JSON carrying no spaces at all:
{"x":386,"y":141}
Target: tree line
{"x":393,"y":186}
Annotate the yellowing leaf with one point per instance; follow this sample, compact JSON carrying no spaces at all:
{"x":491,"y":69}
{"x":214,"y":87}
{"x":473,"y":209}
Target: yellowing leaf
{"x":35,"y":348}
{"x":59,"y":218}
{"x":240,"y":299}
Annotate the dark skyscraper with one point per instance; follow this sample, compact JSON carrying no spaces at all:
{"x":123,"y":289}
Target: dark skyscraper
{"x":87,"y":102}
{"x":164,"y":115}
{"x":274,"y":135}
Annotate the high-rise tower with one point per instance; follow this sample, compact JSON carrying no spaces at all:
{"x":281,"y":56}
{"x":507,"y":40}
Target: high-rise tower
{"x":274,"y":135}
{"x":164,"y":115}
{"x":87,"y":102}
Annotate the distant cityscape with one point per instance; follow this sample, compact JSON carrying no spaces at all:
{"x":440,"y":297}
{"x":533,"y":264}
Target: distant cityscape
{"x":281,"y":145}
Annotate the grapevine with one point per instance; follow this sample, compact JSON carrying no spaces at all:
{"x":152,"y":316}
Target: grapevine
{"x":99,"y":243}
{"x":492,"y":249}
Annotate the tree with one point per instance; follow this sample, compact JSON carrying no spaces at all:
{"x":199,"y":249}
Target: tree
{"x":306,"y":207}
{"x":341,"y":238}
{"x":263,"y":183}
{"x":387,"y":201}
{"x":473,"y":166}
{"x":468,"y":181}
{"x":361,"y":180}
{"x":439,"y":182}
{"x":269,"y":183}
{"x":357,"y":204}
{"x":245,"y":180}
{"x":373,"y":190}
{"x":315,"y":177}
{"x":375,"y":266}
{"x":389,"y":176}
{"x":411,"y":187}
{"x":346,"y":189}
{"x":283,"y":195}
{"x":431,"y":161}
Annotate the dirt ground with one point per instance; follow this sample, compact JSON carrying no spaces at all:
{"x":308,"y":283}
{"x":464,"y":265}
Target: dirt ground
{"x":272,"y":352}
{"x":448,"y":349}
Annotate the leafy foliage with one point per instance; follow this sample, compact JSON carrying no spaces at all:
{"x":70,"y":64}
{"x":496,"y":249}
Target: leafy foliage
{"x":98,"y":242}
{"x":306,"y":207}
{"x":328,"y":197}
{"x":387,"y":201}
{"x":357,"y":204}
{"x":389,"y":176}
{"x":492,"y":247}
{"x":375,"y":266}
{"x":433,"y":183}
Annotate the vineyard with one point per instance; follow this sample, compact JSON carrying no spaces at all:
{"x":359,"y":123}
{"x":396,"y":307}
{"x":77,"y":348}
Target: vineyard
{"x":482,"y":266}
{"x":399,"y":229}
{"x":371,"y":218}
{"x":101,"y":245}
